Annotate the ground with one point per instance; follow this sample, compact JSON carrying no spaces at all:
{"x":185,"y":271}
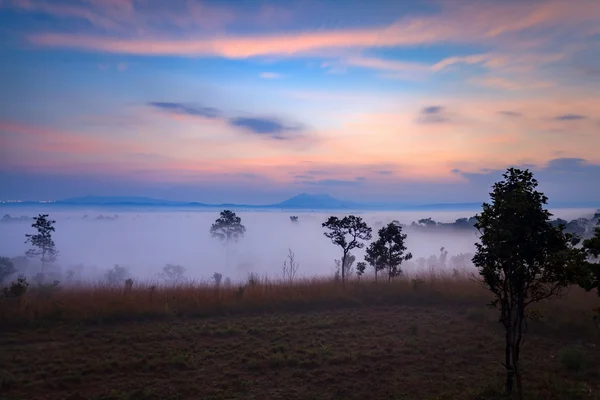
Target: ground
{"x":369,"y":352}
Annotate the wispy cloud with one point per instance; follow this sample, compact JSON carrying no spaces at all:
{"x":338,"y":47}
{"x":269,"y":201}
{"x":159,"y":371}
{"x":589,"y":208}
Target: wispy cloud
{"x":264,"y":126}
{"x":512,"y":114}
{"x":498,"y":82}
{"x":186,"y":109}
{"x":466,"y":24}
{"x":570,"y":117}
{"x":433,"y":115}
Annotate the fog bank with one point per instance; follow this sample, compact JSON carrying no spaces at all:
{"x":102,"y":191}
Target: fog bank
{"x":144,"y":241}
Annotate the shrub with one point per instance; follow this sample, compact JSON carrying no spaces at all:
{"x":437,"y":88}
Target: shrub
{"x":16,"y":289}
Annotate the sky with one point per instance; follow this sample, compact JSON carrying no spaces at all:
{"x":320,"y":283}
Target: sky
{"x":257,"y":101}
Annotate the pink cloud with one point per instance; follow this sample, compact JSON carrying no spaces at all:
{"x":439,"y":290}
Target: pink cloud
{"x":464,"y":23}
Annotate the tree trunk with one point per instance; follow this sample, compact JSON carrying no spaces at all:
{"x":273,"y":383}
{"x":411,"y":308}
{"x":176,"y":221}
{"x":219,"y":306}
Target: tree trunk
{"x":344,"y":268}
{"x":375,"y":274}
{"x":517,"y":345}
{"x":508,"y":366}
{"x":43,"y":260}
{"x":506,"y":315}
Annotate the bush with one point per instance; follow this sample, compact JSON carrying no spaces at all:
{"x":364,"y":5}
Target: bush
{"x":573,"y":358}
{"x":16,"y":289}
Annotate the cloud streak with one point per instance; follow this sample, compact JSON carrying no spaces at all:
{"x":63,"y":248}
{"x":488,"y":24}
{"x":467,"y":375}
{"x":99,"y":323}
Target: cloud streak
{"x":570,"y":117}
{"x":463,"y":24}
{"x":262,"y":126}
{"x":186,"y":109}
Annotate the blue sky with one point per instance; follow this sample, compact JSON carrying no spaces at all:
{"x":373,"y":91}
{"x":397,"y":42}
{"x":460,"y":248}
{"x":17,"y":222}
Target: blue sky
{"x":382,"y":101}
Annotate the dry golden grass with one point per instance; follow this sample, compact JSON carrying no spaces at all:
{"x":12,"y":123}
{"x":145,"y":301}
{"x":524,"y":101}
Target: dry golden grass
{"x":421,"y":337}
{"x":102,"y":303}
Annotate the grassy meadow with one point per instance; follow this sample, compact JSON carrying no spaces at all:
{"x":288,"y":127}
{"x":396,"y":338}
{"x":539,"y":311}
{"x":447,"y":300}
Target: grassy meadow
{"x":427,"y":336}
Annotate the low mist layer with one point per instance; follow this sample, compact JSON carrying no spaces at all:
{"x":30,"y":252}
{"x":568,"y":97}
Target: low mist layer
{"x":92,"y":241}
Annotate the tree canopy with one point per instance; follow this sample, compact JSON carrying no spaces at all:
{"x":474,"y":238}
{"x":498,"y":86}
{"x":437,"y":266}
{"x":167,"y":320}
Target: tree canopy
{"x":348,"y":233}
{"x":228,"y":227}
{"x":388,"y":251}
{"x":43,"y":246}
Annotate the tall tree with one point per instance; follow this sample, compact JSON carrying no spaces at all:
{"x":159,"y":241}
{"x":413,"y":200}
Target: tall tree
{"x":373,"y":257}
{"x":228,"y":228}
{"x":348,"y":233}
{"x":389,"y":251}
{"x":42,"y":244}
{"x":522,"y":258}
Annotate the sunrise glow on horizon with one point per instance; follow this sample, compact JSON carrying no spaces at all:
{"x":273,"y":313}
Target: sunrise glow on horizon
{"x":256,"y":101}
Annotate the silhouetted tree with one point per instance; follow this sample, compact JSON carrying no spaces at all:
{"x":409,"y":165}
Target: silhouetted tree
{"x":372,"y":257}
{"x":348,"y":233}
{"x":521,"y":258}
{"x":228,"y":227}
{"x":361,"y":266}
{"x":389,"y":250}
{"x":42,"y":244}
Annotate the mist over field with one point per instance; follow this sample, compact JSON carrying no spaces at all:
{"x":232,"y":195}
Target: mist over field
{"x":145,"y":241}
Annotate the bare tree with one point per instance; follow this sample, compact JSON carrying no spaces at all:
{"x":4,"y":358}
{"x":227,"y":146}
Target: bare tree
{"x":290,"y":267}
{"x":172,"y":274}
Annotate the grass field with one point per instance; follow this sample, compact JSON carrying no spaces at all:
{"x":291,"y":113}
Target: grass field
{"x":420,"y":339}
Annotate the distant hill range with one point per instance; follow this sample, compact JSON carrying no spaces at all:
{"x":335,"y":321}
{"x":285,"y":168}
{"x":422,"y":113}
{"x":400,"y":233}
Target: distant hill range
{"x":302,"y":201}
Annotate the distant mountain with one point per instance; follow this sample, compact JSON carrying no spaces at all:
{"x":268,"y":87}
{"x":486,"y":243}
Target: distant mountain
{"x":302,"y":201}
{"x":318,"y":201}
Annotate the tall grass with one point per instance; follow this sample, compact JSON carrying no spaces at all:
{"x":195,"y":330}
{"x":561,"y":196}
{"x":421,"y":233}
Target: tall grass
{"x":101,"y":303}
